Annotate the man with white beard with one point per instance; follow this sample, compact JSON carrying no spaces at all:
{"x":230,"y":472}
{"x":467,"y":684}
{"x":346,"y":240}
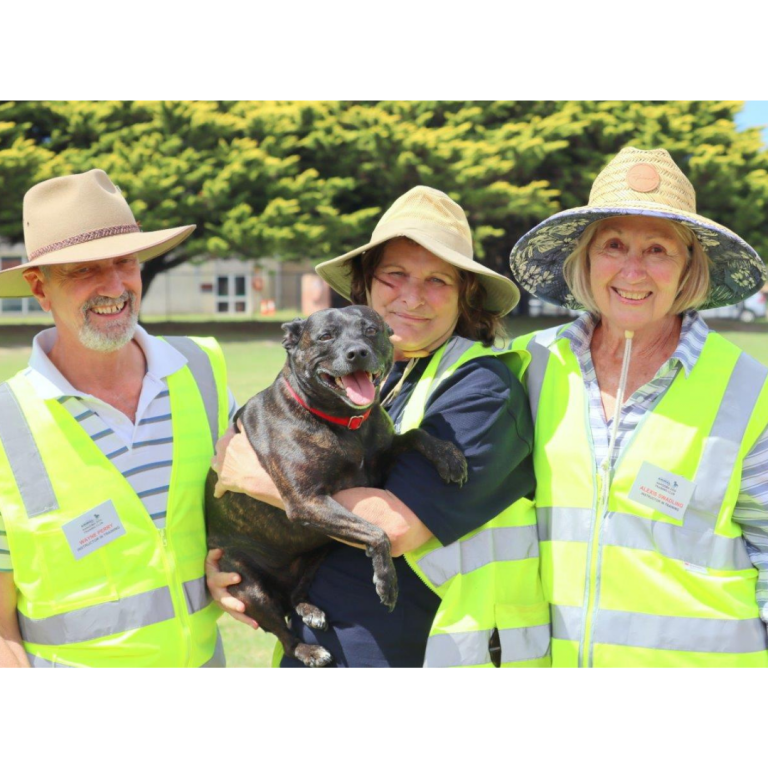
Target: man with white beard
{"x":105,"y":444}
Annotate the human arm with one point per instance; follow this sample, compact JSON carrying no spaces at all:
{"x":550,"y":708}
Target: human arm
{"x":11,"y":646}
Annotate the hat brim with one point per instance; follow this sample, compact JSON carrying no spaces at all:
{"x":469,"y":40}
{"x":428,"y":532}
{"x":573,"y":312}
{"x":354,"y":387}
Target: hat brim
{"x":502,"y":295}
{"x":537,"y":258}
{"x":145,"y":245}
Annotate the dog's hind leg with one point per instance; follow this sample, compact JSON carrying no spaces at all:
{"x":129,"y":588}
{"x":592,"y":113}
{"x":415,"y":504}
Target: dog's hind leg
{"x":310,"y":614}
{"x":265,"y":604}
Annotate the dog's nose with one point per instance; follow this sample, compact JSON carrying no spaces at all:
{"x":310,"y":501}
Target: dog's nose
{"x":355,"y":353}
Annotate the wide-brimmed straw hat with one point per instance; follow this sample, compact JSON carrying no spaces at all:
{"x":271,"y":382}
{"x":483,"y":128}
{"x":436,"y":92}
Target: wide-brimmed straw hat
{"x":640,"y":183}
{"x":83,"y":217}
{"x":434,"y":221}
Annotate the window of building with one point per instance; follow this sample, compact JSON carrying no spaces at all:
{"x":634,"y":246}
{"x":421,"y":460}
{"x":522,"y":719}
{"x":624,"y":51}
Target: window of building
{"x":231,"y":294}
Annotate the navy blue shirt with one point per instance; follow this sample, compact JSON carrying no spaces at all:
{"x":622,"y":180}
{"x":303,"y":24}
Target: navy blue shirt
{"x":483,"y":409}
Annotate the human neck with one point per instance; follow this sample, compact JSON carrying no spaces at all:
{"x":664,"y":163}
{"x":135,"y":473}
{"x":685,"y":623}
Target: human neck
{"x":648,"y":341}
{"x":114,"y":377}
{"x":407,"y":354}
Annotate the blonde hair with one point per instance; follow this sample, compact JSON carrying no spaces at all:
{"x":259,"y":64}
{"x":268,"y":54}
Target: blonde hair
{"x":694,"y":284}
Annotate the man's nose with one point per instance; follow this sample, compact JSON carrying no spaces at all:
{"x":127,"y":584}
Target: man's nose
{"x":111,"y":282}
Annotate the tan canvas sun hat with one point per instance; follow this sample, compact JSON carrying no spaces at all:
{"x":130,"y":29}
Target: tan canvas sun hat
{"x":636,"y":182}
{"x":431,"y":219}
{"x":83,"y":217}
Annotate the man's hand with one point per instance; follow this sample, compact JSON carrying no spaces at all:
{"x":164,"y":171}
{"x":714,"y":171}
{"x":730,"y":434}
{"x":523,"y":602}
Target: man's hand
{"x":217,"y":586}
{"x":11,"y":645}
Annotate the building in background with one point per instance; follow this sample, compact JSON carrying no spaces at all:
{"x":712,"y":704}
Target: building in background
{"x":12,"y":256}
{"x":210,"y":288}
{"x":226,"y":287}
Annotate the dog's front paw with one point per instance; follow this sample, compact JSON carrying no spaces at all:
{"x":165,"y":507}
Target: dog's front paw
{"x":384,"y":576}
{"x":387,"y":590}
{"x":312,"y":616}
{"x":312,"y":655}
{"x":451,"y":465}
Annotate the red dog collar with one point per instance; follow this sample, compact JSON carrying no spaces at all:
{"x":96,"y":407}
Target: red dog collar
{"x":353,"y":422}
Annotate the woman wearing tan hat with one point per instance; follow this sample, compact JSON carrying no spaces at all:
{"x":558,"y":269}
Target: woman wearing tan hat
{"x":651,"y":451}
{"x":469,"y":585}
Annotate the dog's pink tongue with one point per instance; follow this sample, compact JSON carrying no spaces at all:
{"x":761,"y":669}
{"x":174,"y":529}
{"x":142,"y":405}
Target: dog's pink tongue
{"x":360,"y":389}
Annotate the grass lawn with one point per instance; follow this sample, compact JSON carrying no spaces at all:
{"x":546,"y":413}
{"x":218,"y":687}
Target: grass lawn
{"x":253,"y":364}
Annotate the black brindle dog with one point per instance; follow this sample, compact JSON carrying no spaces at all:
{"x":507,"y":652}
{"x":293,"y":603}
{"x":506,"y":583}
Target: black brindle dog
{"x":317,"y":430}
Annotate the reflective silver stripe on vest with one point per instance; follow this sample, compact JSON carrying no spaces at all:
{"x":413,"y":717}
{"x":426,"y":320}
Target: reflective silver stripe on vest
{"x":29,"y":472}
{"x":96,"y":621}
{"x":196,"y":594}
{"x":37,"y":662}
{"x":524,"y":643}
{"x":675,"y":633}
{"x":202,"y":371}
{"x":538,"y":348}
{"x":567,"y":621}
{"x":218,"y":660}
{"x":564,"y":523}
{"x":723,"y":443}
{"x":487,"y":546}
{"x":702,"y":548}
{"x":458,"y":649}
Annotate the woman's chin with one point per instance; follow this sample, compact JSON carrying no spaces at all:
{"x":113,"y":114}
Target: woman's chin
{"x":406,"y":342}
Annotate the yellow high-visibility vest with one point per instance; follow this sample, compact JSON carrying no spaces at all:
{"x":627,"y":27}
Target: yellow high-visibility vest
{"x":658,"y":579}
{"x":488,"y":580}
{"x":139,"y":600}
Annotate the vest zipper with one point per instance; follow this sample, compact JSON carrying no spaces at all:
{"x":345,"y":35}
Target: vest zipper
{"x":603,"y":499}
{"x":177,"y":596}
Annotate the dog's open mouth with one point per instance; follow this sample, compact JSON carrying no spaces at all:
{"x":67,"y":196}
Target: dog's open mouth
{"x":359,"y":386}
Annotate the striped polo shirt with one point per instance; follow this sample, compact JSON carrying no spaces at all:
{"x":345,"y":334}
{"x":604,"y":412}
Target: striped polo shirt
{"x":751,"y":511}
{"x":142,"y":451}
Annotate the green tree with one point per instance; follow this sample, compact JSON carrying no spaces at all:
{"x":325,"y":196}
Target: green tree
{"x":24,"y":161}
{"x":310,"y":179}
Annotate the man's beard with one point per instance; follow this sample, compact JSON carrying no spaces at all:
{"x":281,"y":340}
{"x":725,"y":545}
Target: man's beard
{"x":114,"y":336}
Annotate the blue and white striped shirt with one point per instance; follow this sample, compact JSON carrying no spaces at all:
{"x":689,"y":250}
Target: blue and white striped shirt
{"x":751,"y":511}
{"x":141,"y":450}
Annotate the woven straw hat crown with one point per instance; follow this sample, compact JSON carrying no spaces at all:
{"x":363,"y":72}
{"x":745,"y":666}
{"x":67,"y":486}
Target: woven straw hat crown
{"x":650,"y":177}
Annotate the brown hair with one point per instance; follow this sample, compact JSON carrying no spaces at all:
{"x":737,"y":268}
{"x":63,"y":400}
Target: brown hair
{"x":475,"y":322}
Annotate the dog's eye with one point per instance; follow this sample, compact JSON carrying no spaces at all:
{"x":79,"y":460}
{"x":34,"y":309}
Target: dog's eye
{"x":371,"y":331}
{"x":327,"y":336}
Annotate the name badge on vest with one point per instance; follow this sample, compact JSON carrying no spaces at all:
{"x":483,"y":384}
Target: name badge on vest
{"x":93,"y":530}
{"x":661,"y":490}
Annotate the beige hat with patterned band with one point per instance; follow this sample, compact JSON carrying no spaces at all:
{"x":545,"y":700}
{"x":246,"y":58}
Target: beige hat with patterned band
{"x":636,"y":182}
{"x":431,"y":219}
{"x":83,"y":217}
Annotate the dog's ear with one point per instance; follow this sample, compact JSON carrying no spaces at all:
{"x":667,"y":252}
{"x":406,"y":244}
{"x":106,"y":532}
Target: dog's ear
{"x":390,"y":331}
{"x":293,"y":331}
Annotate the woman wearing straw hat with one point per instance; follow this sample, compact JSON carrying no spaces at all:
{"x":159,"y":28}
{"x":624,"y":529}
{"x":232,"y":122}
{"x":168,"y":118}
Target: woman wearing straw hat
{"x":651,"y":451}
{"x":469,"y":585}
